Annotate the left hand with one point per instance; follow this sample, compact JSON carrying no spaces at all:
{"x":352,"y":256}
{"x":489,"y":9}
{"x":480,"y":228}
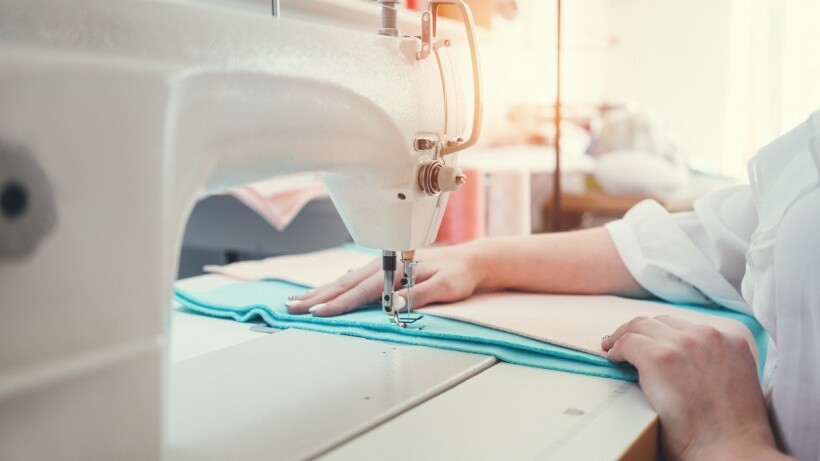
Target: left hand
{"x":703,"y":384}
{"x":449,"y":273}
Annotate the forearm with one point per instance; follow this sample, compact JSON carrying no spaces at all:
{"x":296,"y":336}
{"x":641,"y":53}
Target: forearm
{"x":580,"y":262}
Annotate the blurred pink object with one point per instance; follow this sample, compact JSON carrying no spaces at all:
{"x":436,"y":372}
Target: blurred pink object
{"x":279,"y":200}
{"x":465,"y":216}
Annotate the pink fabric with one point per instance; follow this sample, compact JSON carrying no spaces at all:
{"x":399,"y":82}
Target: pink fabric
{"x":577,"y":322}
{"x":279,"y":200}
{"x":465,"y":217}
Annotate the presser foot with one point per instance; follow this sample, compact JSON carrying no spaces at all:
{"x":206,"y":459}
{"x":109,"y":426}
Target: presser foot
{"x":407,"y":321}
{"x":408,"y":281}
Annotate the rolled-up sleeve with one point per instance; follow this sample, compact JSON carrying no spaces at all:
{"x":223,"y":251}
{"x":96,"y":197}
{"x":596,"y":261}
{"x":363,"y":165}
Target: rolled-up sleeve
{"x":695,"y":257}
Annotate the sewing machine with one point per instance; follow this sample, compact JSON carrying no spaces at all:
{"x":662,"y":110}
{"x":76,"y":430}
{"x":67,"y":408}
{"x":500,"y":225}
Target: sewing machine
{"x":116,"y":116}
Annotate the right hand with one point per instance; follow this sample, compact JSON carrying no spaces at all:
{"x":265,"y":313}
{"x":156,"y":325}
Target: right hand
{"x":446,"y":274}
{"x":703,"y":384}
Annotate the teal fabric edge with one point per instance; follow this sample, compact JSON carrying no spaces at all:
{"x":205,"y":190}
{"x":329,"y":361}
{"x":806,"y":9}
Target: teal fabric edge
{"x":487,"y":334}
{"x":547,"y":356}
{"x":516,"y":349}
{"x":517,"y":357}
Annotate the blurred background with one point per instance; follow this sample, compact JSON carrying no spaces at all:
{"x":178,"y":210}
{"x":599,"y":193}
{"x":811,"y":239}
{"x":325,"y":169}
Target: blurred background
{"x":660,"y":99}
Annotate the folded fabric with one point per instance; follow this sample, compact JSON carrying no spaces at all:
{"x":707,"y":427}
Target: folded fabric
{"x":245,"y":301}
{"x":279,"y":200}
{"x":579,"y":322}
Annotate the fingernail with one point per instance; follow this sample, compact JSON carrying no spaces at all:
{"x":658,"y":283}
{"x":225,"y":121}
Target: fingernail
{"x":317,"y":308}
{"x":292,"y":302}
{"x":400,"y":302}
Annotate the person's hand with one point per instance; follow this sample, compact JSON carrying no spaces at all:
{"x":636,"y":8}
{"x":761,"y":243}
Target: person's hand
{"x":445,"y":274}
{"x":703,"y":384}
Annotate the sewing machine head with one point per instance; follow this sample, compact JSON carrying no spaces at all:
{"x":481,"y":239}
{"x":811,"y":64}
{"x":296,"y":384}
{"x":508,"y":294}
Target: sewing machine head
{"x":409,"y":203}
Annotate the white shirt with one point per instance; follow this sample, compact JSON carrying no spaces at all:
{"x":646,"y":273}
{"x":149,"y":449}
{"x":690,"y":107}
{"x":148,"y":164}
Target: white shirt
{"x":753,"y":249}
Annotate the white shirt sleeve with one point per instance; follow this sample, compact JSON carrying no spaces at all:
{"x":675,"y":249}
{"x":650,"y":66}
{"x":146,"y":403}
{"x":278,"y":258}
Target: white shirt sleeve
{"x":793,"y":393}
{"x":762,"y":241}
{"x":693,"y":257}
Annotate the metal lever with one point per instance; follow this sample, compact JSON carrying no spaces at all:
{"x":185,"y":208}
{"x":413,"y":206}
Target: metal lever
{"x":428,"y":37}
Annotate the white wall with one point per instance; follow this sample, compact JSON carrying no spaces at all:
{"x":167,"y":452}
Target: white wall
{"x":587,"y":42}
{"x":673,"y":56}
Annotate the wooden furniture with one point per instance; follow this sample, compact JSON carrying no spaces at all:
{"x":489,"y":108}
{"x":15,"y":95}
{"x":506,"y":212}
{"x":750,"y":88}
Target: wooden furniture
{"x":593,"y":207}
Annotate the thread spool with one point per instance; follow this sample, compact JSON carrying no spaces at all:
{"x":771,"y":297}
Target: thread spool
{"x":465,"y":218}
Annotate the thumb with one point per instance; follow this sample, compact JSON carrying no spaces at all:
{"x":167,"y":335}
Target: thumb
{"x":427,"y":292}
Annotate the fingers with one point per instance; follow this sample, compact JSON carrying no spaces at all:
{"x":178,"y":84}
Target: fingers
{"x":301,"y":304}
{"x":642,"y":341}
{"x":630,"y":347}
{"x":370,"y":291}
{"x":675,"y":322}
{"x":355,"y":289}
{"x":367,"y":291}
{"x":651,"y":328}
{"x":365,"y":285}
{"x":425,"y":292}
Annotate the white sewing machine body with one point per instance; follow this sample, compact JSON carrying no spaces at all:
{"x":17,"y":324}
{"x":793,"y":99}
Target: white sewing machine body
{"x":127,"y":112}
{"x":114,"y":118}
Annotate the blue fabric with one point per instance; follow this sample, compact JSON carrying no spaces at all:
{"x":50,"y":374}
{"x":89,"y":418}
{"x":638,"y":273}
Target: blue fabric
{"x":245,"y":301}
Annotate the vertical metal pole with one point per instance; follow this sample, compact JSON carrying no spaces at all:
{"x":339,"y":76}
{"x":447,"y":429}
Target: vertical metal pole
{"x":557,"y":225}
{"x":274,"y":7}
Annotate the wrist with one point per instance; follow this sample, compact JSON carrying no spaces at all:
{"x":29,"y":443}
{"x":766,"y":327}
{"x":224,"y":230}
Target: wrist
{"x":481,"y":257}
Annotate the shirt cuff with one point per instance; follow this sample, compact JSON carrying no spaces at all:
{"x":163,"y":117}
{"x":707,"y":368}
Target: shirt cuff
{"x":637,"y":251}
